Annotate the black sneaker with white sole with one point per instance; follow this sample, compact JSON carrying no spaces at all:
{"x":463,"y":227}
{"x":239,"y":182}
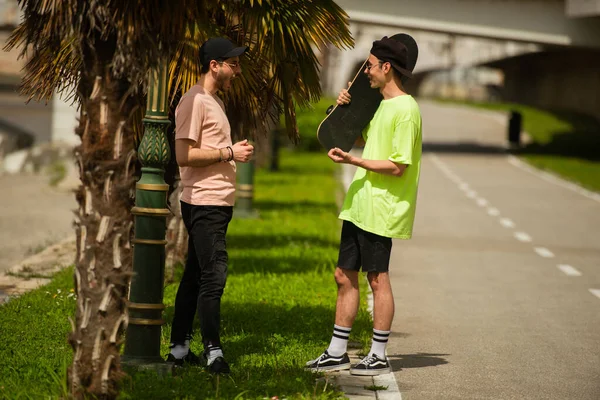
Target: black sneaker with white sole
{"x":218,"y":366}
{"x":371,"y":366}
{"x":327,"y":362}
{"x":215,"y":364}
{"x":189,"y":359}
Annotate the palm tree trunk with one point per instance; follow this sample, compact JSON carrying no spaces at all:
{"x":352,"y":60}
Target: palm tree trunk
{"x":103,"y":225}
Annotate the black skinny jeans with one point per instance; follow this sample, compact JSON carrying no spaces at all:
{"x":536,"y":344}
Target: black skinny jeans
{"x":205,"y":273}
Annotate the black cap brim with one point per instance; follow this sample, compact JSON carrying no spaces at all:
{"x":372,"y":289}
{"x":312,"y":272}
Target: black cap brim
{"x":238,"y":51}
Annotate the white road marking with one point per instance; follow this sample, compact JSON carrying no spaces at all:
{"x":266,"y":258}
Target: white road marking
{"x":452,"y":175}
{"x":595,"y":292}
{"x":481,"y":202}
{"x":544,"y":252}
{"x":471,"y":194}
{"x":449,"y":174}
{"x":507,"y":223}
{"x":522,"y":237}
{"x":568,"y":270}
{"x":493,"y":211}
{"x":553,"y":179}
{"x":392,"y":392}
{"x":445,"y":170}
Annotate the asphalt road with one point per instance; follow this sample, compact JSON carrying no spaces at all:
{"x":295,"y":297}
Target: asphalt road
{"x":498,"y":293}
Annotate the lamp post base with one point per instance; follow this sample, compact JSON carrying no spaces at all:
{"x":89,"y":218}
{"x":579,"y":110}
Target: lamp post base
{"x":158,"y":365}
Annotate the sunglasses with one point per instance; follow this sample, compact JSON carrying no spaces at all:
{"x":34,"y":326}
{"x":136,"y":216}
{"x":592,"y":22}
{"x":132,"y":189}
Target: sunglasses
{"x":369,"y":65}
{"x":232,"y":65}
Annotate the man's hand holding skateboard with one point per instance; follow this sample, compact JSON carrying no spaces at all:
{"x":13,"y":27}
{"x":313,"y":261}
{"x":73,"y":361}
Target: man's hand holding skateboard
{"x":344,"y":97}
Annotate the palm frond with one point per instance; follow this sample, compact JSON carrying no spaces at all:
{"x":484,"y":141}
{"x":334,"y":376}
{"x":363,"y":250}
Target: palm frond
{"x":144,"y":34}
{"x":285,"y":32}
{"x":280,"y":71}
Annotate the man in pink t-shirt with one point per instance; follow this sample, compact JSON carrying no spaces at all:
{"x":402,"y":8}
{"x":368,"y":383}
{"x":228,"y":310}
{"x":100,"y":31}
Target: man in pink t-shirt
{"x":206,"y":158}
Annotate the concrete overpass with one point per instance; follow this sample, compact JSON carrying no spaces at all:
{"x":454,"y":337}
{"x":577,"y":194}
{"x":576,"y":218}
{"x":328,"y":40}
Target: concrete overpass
{"x":462,"y":33}
{"x":549,"y":22}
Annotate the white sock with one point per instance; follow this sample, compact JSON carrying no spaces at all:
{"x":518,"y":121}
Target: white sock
{"x":379,"y":343}
{"x":213,"y":353}
{"x":180,"y":350}
{"x":339,"y":341}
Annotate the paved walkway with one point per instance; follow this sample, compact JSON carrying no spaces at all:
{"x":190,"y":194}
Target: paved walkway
{"x":498,"y":293}
{"x":34,"y":218}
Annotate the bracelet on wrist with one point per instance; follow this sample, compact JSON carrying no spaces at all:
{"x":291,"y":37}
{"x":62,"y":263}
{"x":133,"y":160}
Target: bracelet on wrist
{"x":230,"y":153}
{"x":220,"y":155}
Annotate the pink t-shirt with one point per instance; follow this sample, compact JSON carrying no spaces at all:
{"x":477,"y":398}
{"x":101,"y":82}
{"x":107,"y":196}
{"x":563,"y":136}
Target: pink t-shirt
{"x":201,"y":117}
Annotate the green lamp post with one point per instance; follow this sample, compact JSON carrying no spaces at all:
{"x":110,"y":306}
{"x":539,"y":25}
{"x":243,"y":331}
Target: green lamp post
{"x":245,"y":191}
{"x":142,"y":344}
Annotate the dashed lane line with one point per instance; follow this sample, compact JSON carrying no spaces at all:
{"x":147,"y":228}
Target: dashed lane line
{"x":523,"y":237}
{"x":543,"y":252}
{"x":569,"y":270}
{"x":507,"y":223}
{"x":595,"y":292}
{"x":493,"y":211}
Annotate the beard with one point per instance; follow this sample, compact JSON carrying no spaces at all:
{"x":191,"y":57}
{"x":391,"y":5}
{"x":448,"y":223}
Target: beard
{"x":374,"y":83}
{"x":223,"y":82}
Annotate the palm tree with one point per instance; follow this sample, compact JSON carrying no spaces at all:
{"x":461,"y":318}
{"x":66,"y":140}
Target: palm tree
{"x":100,"y":53}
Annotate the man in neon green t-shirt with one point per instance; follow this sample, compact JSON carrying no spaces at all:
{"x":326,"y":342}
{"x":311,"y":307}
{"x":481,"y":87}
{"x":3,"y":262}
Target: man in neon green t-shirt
{"x":380,"y":205}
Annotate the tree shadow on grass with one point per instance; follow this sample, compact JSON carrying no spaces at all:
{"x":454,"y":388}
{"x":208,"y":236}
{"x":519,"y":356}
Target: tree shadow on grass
{"x":308,"y":207}
{"x":260,"y":328}
{"x":584,"y":145}
{"x":288,"y":264}
{"x":258,"y":319}
{"x":236,"y":241}
{"x":250,"y":381}
{"x":581,"y":141}
{"x":267,"y":345}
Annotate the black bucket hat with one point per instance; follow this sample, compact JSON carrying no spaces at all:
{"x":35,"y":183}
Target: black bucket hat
{"x":394,"y":52}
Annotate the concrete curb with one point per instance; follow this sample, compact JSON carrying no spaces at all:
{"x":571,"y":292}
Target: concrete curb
{"x":36,"y":271}
{"x":354,"y":386}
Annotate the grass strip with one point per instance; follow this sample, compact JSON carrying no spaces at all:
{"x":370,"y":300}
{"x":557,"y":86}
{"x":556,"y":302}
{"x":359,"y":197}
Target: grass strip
{"x":564,"y":143}
{"x":277,"y":310}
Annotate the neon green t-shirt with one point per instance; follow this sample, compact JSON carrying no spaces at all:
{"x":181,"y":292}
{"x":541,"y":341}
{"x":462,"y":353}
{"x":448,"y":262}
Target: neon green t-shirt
{"x":385,"y":204}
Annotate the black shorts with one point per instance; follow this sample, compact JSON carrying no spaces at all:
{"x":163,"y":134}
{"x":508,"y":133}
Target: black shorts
{"x":361,"y":248}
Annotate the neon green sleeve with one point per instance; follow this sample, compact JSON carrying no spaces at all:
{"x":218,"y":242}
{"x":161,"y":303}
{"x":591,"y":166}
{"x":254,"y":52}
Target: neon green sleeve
{"x":403,"y":142}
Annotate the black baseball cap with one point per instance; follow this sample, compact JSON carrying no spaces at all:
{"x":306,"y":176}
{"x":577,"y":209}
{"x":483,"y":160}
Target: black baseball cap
{"x":219,"y":48}
{"x":394,"y":52}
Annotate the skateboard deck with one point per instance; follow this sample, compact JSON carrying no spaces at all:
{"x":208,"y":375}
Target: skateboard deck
{"x":345,"y":123}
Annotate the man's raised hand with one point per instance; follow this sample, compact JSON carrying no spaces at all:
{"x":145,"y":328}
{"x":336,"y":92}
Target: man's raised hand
{"x":242,"y":151}
{"x":339,"y":156}
{"x":344,"y":97}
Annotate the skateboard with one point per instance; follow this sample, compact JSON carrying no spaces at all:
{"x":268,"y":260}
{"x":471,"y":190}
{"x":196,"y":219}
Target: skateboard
{"x":345,"y":123}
